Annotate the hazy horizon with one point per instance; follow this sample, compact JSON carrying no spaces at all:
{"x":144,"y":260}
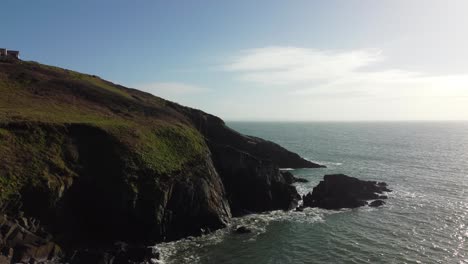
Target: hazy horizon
{"x":331,"y":121}
{"x":272,"y":61}
{"x":339,"y":121}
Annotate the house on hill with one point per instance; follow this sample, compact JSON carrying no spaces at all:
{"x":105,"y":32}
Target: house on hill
{"x":9,"y":53}
{"x":13,"y":53}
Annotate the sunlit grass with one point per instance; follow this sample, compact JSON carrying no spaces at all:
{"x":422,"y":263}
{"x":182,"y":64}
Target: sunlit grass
{"x":47,"y":100}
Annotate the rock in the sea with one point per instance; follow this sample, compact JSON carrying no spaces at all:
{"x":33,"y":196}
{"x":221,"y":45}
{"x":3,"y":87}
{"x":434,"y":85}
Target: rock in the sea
{"x":341,"y":191}
{"x":243,"y":230}
{"x":376,"y":203}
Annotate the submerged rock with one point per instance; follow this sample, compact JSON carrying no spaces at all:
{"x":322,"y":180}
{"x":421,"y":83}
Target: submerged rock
{"x":341,"y":191}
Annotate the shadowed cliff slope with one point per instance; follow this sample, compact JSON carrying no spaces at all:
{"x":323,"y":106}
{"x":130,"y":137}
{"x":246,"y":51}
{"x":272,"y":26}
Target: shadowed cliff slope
{"x":96,"y":162}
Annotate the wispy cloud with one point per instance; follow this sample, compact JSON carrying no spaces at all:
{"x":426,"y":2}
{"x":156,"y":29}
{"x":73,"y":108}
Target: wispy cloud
{"x":290,"y":65}
{"x":310,"y":71}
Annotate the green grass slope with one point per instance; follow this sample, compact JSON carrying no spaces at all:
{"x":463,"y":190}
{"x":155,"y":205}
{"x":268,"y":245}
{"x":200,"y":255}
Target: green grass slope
{"x":160,"y":137}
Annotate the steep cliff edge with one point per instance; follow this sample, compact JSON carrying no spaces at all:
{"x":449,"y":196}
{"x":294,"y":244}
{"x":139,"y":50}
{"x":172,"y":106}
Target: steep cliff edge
{"x":90,"y":163}
{"x":214,"y":129}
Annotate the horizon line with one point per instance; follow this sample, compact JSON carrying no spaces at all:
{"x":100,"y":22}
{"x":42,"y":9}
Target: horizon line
{"x":342,"y":121}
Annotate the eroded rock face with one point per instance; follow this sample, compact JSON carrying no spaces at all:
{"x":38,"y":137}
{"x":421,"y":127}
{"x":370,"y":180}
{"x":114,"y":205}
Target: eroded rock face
{"x":105,"y":195}
{"x":215,"y":130}
{"x":338,"y":191}
{"x":252,"y":184}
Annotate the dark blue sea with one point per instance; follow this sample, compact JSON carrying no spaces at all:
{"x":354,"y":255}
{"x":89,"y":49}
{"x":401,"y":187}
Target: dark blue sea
{"x":425,"y":219}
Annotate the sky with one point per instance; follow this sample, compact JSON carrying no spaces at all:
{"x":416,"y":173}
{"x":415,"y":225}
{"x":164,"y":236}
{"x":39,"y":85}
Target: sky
{"x":290,"y":60}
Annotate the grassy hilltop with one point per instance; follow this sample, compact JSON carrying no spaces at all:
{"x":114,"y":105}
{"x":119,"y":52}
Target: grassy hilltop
{"x":31,"y":93}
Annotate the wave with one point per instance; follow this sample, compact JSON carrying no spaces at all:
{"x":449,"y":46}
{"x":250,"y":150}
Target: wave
{"x":188,"y":250}
{"x":324,"y":162}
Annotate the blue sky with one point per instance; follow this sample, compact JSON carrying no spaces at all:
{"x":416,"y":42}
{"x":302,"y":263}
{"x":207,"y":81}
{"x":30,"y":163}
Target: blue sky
{"x":262,"y":60}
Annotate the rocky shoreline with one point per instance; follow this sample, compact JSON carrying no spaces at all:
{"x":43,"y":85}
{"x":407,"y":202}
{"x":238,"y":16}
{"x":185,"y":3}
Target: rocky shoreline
{"x":237,"y":183}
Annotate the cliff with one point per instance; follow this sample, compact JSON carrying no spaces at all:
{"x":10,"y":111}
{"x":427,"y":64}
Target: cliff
{"x":85,"y":163}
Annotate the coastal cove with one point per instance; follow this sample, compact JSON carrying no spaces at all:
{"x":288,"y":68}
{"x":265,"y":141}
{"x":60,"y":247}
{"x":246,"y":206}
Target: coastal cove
{"x":424,"y":220}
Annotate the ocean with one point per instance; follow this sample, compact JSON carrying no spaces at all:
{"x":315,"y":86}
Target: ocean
{"x":425,"y":219}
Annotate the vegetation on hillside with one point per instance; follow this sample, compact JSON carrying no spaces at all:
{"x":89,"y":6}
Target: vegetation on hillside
{"x":158,"y":136}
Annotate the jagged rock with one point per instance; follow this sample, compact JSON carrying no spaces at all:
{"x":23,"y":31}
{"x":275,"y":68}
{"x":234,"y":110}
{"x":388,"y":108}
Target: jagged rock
{"x":19,"y":243}
{"x":252,"y":184}
{"x":214,"y":129}
{"x":340,"y":191}
{"x":288,"y":177}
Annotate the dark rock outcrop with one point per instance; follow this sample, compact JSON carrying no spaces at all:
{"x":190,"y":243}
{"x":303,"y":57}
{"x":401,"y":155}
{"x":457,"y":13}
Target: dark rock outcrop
{"x":106,"y":194}
{"x":290,"y":178}
{"x":252,"y":184}
{"x":214,"y":129}
{"x":340,"y":191}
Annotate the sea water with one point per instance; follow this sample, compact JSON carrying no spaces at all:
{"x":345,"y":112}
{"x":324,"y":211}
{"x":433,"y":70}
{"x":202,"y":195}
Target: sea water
{"x":425,"y":219}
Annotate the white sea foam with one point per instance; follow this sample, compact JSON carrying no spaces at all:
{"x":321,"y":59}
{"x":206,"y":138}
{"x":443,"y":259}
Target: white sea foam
{"x":186,"y":249}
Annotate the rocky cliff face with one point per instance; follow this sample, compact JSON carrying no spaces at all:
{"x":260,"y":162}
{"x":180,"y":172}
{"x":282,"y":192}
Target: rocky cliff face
{"x":252,"y":184}
{"x":104,"y":193}
{"x":90,"y":163}
{"x":214,"y":129}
